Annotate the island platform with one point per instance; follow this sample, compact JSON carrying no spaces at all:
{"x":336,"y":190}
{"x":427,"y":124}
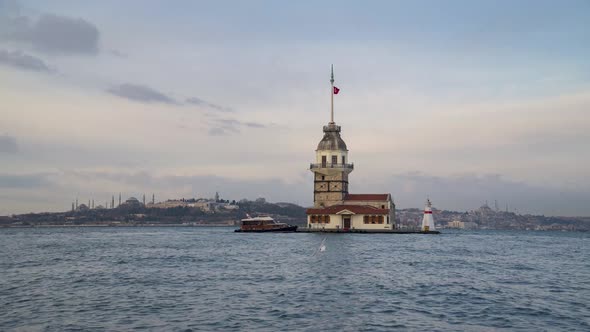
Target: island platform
{"x":364,"y":231}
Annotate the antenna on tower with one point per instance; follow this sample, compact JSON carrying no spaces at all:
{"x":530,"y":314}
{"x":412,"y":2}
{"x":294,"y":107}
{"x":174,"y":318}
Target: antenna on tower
{"x":332,"y":94}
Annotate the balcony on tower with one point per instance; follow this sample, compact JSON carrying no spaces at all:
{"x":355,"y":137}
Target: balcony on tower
{"x":331,"y":166}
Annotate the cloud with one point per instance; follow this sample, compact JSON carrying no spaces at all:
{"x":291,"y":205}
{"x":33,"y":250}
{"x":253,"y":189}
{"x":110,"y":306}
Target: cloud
{"x":201,"y":102}
{"x":223,"y":127}
{"x":21,"y":60}
{"x":140,"y":93}
{"x":218,"y":132}
{"x":27,"y":181}
{"x":8,"y":144}
{"x":463,"y":192}
{"x":254,"y":125}
{"x":118,"y":54}
{"x":53,"y":34}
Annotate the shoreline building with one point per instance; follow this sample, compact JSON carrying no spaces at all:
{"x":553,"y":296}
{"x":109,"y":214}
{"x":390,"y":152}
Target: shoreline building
{"x":334,"y":207}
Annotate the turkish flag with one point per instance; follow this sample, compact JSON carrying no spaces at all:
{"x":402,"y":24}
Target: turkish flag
{"x":336,"y":90}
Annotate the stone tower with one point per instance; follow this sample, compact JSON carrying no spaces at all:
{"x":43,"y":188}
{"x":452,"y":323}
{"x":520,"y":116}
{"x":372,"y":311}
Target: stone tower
{"x":331,"y":167}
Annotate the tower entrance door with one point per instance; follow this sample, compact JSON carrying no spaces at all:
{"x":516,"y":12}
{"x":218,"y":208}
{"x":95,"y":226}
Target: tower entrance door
{"x":346,"y":222}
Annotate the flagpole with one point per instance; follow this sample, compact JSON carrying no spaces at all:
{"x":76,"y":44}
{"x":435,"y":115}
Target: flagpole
{"x":332,"y":96}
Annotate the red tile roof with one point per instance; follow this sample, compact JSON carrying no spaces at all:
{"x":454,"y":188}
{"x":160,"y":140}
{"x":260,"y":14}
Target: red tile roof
{"x":356,"y":209}
{"x":366,"y":197}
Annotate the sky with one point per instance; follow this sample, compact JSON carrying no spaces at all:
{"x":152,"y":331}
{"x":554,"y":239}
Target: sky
{"x":460,"y":101}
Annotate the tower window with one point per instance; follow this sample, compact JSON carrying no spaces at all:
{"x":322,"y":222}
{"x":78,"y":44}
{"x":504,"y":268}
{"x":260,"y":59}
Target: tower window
{"x":323,"y":177}
{"x":343,"y":160}
{"x":334,"y":160}
{"x":324,"y":161}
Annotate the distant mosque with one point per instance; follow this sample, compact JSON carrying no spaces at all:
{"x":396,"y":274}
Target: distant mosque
{"x":334,"y":207}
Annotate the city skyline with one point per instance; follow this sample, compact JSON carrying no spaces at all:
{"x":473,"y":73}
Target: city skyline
{"x":459,"y":101}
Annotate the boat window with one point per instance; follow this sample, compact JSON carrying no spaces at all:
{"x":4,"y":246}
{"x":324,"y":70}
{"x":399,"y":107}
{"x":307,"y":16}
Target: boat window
{"x":250,"y":222}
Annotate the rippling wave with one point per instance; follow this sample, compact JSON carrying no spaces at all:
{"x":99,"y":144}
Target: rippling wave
{"x":189,"y":279}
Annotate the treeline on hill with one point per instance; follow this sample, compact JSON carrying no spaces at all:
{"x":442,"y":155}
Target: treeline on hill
{"x":126,"y":213}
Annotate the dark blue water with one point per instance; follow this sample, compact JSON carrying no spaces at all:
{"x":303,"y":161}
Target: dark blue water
{"x":96,"y":279}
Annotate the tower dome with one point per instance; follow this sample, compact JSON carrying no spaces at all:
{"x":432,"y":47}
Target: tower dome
{"x":332,"y":140}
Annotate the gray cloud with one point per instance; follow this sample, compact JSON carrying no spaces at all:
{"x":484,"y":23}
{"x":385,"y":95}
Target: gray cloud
{"x":21,"y":60}
{"x":8,"y":144}
{"x":140,"y":93}
{"x":218,"y":132}
{"x":28,"y":181}
{"x":118,"y":54}
{"x":53,"y":34}
{"x":254,"y":125}
{"x":222,"y":127}
{"x":469,"y":191}
{"x":201,"y":102}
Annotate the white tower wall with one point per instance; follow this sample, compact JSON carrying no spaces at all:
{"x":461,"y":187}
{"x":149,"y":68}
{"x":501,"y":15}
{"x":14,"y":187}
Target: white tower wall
{"x":427,"y":220}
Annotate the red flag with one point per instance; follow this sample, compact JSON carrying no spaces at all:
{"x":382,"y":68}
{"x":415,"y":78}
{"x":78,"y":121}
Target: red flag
{"x":336,"y":90}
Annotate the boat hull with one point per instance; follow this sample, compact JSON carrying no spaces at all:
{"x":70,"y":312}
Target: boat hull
{"x":281,"y":229}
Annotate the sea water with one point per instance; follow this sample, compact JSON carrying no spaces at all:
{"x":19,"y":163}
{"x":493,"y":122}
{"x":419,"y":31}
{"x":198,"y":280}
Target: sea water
{"x":192,"y":279}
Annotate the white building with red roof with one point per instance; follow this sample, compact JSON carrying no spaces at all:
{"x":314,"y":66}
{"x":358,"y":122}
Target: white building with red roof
{"x":334,"y":208}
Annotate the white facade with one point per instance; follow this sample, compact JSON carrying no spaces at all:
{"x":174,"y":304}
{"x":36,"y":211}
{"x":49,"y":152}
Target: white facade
{"x":427,"y":220}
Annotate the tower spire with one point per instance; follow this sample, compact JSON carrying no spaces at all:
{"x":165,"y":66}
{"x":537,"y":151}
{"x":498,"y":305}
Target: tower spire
{"x":332,"y":95}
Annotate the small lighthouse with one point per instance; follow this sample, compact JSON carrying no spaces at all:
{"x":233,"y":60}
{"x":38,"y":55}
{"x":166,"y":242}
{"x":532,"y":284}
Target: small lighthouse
{"x":428,"y":221}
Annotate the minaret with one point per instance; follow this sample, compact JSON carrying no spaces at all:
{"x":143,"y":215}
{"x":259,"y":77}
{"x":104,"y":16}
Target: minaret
{"x":143,"y":199}
{"x":119,"y":199}
{"x":331,"y":167}
{"x":72,"y":206}
{"x":76,"y":203}
{"x":113,"y":202}
{"x":427,"y":220}
{"x":153,"y":198}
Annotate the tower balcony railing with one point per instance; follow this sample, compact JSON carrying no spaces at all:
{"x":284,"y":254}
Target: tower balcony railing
{"x":331,"y":165}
